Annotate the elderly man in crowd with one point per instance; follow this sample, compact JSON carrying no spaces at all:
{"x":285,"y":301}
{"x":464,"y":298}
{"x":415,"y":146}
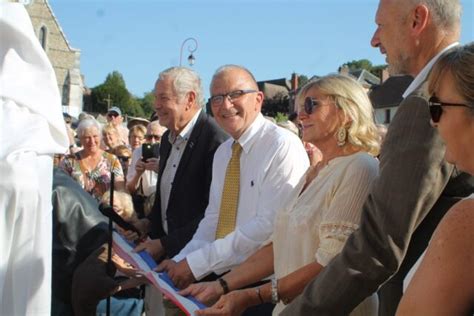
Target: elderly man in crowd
{"x":185,"y":167}
{"x":253,"y":173}
{"x":114,"y":117}
{"x":416,"y":186}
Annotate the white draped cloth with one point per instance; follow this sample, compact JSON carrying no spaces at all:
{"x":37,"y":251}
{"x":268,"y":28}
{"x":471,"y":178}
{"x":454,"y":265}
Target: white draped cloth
{"x":31,"y":130}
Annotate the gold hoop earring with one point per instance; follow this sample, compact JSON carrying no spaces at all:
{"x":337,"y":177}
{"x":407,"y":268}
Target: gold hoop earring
{"x":341,"y":136}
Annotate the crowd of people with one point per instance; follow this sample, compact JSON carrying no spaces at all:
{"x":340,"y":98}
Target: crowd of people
{"x":257,"y":218}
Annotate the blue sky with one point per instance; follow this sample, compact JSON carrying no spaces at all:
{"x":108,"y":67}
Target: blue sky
{"x":273,"y":39}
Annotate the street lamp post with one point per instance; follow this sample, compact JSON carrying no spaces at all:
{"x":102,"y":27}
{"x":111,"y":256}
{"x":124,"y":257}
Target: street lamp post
{"x":191,"y":48}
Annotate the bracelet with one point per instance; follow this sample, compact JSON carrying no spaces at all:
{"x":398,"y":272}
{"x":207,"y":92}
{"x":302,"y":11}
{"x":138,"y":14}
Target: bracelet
{"x":275,"y":298}
{"x":224,"y":285}
{"x":257,"y":290}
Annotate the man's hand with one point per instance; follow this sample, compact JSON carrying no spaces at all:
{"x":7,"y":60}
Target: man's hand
{"x":153,"y":247}
{"x":206,"y":292}
{"x":152,"y":164}
{"x":179,"y":273}
{"x":141,"y":224}
{"x":232,"y":304}
{"x":140,"y":167}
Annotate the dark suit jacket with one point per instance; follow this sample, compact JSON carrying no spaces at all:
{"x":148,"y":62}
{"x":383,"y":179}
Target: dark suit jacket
{"x":415,"y":184}
{"x":190,"y":192}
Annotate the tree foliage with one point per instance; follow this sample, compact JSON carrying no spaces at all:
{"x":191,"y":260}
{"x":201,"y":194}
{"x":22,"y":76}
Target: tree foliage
{"x":114,"y":92}
{"x":365,"y":64}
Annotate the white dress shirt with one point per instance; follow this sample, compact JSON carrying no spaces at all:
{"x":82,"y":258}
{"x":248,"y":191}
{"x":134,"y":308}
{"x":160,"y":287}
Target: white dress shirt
{"x":178,"y":144}
{"x":421,"y":77}
{"x":149,"y":178}
{"x":271,"y":165}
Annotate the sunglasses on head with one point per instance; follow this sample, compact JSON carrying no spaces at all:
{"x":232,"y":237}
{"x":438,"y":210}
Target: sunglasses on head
{"x":123,"y":158}
{"x":436,"y":108}
{"x":310,"y":104}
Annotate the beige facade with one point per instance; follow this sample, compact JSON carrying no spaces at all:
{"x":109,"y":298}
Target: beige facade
{"x":64,"y":58}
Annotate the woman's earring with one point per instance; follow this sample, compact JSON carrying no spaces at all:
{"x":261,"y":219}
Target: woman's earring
{"x":341,"y":136}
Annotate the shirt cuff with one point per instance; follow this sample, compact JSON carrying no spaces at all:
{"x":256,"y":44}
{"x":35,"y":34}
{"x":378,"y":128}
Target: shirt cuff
{"x":199,"y":267}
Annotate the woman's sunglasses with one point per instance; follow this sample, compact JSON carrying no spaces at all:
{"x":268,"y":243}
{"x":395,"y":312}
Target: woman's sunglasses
{"x":436,"y":108}
{"x":310,"y":104}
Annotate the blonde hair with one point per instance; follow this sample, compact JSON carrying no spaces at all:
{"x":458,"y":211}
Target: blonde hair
{"x":350,"y":96}
{"x":138,"y":128}
{"x":459,"y":63}
{"x":110,"y":128}
{"x":126,"y":202}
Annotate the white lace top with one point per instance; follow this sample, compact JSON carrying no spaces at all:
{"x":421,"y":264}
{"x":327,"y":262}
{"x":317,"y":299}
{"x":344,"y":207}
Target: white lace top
{"x":316,"y":224}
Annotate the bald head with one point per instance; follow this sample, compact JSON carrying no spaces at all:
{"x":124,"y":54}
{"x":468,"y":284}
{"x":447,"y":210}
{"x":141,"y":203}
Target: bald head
{"x":244,"y":72}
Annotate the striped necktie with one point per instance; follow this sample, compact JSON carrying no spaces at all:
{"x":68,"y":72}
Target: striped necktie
{"x":230,"y":194}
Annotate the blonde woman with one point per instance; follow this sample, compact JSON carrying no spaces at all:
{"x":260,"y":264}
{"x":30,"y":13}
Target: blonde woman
{"x":136,"y":137}
{"x":111,"y":137}
{"x":324,"y":210}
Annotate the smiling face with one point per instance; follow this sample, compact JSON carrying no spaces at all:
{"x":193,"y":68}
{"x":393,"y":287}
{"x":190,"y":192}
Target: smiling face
{"x":320,"y":127}
{"x":90,"y":140}
{"x":390,"y":36}
{"x":456,"y":125}
{"x":237,"y":115}
{"x":173,"y":112}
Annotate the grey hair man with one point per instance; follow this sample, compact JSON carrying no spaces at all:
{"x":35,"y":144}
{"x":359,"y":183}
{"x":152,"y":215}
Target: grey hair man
{"x":416,"y":186}
{"x":185,"y":167}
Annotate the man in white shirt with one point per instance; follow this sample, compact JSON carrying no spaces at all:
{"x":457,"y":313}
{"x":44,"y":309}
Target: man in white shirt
{"x":271,"y":163}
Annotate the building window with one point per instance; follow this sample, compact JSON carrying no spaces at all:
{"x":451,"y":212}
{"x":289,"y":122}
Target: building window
{"x":387,"y":116}
{"x":43,"y":33}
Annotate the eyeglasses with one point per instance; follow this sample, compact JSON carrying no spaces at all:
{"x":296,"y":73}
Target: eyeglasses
{"x":436,"y":108}
{"x":152,"y":136}
{"x":310,"y":104}
{"x":123,"y":158}
{"x":218,"y":100}
{"x":112,"y":114}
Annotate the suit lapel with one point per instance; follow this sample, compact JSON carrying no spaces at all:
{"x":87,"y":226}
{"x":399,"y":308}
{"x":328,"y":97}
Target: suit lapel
{"x":190,"y":146}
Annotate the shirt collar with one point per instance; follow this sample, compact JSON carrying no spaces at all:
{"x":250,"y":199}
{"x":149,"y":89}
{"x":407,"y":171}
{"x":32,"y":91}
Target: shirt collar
{"x":421,"y":77}
{"x":187,"y":130}
{"x":247,"y":139}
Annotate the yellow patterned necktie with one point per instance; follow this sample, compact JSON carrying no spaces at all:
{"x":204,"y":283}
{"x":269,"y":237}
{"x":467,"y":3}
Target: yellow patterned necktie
{"x":230,"y":194}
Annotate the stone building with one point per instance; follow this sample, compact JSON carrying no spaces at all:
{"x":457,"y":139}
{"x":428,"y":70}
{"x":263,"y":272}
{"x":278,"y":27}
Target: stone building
{"x":64,"y":58}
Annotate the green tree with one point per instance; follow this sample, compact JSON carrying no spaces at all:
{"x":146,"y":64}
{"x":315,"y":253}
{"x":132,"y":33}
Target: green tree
{"x":365,"y":64}
{"x":112,"y":92}
{"x":302,"y":80}
{"x":147,"y":103}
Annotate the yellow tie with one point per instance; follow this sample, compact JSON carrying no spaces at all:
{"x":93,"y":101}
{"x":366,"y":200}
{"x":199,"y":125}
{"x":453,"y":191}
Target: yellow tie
{"x":230,"y":194}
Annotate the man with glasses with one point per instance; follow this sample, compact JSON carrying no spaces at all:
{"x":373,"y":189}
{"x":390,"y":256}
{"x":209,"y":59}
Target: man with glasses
{"x":415,"y":187}
{"x":114,"y":117}
{"x":143,"y":175}
{"x":253,"y":173}
{"x":185,"y":166}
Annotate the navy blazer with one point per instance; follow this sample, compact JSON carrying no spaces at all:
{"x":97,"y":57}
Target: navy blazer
{"x":189,"y":195}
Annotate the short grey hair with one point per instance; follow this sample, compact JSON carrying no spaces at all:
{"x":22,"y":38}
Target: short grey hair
{"x":184,"y":80}
{"x":446,"y":13}
{"x":228,"y":67}
{"x":86,"y":124}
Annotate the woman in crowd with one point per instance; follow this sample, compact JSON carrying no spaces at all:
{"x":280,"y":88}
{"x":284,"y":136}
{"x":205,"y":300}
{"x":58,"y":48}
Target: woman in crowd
{"x":111,"y":137}
{"x":91,"y":167}
{"x":313,"y":226}
{"x":444,"y":282}
{"x":136,"y":137}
